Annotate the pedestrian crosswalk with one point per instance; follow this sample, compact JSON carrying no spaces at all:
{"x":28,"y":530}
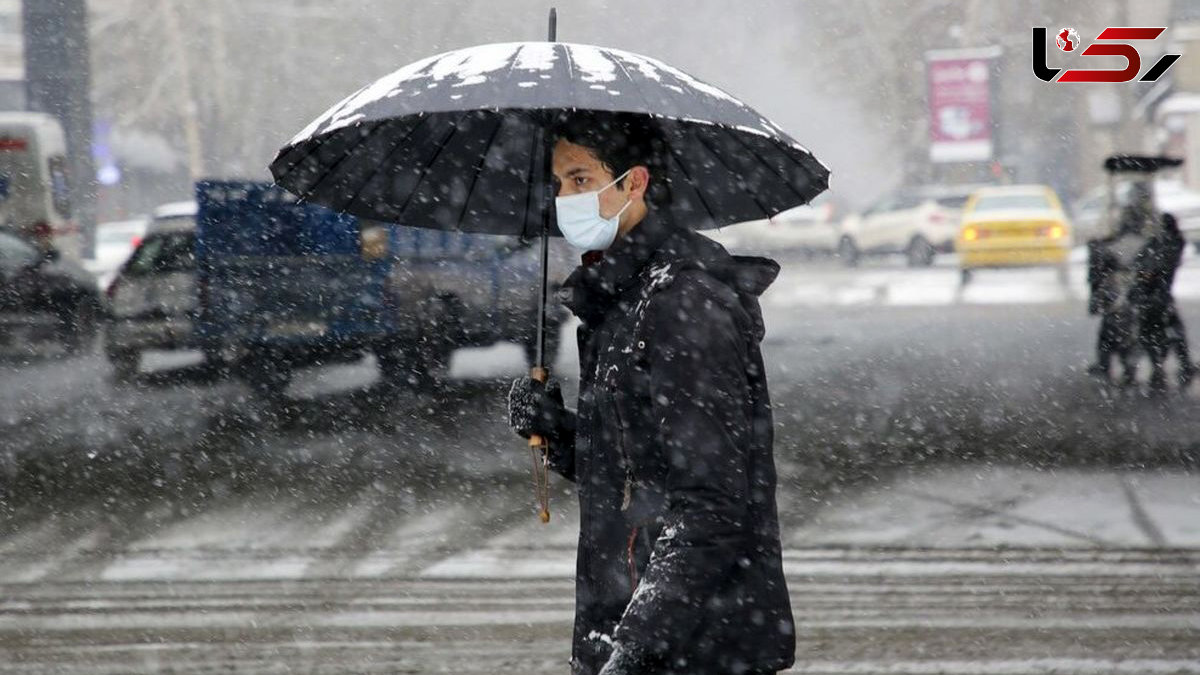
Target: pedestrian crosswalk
{"x":856,"y":610}
{"x":923,"y":574}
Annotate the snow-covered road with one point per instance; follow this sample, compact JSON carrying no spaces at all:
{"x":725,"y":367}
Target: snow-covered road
{"x":971,"y":569}
{"x":956,"y":496}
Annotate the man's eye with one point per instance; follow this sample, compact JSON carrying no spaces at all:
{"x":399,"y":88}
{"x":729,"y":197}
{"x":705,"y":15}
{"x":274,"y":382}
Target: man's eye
{"x":580,"y":180}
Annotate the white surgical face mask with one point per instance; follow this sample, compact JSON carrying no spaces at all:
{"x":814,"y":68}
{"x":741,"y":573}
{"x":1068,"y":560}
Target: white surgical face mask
{"x":580,"y":221}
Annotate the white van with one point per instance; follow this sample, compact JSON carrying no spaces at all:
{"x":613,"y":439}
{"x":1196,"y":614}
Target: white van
{"x":35,"y":200}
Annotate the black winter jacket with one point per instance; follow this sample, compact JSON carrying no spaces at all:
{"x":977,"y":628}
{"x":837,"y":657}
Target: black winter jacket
{"x":679,"y":550}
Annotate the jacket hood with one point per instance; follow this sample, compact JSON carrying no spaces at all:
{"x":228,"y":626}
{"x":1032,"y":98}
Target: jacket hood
{"x":751,"y":275}
{"x":748,"y":276}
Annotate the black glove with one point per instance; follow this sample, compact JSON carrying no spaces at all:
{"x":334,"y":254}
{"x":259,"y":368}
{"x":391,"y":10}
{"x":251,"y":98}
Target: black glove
{"x":537,"y":408}
{"x":626,"y":660}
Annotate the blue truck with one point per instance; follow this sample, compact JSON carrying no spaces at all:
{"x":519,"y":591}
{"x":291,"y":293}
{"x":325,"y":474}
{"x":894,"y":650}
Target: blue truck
{"x":284,"y":284}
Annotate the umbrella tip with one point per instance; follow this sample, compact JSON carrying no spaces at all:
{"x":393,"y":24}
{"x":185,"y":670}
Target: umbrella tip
{"x":553,"y":32}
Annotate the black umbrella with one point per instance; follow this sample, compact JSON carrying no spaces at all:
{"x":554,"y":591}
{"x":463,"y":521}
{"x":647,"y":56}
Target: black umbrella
{"x":458,"y":141}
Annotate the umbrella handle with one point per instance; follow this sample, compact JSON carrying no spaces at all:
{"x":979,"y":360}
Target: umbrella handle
{"x":540,"y":451}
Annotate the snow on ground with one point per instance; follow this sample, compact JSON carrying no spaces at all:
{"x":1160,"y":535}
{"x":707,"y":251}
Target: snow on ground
{"x":364,"y":533}
{"x":887,"y":281}
{"x":959,"y":507}
{"x":883,"y":579}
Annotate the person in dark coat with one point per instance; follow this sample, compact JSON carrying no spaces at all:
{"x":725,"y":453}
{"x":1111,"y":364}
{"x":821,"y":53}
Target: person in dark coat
{"x":679,"y":566}
{"x":1112,"y":278}
{"x":1160,"y":329}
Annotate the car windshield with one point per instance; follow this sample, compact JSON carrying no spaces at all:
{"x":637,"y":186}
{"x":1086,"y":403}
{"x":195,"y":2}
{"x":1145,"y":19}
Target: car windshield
{"x":952,"y":201}
{"x":162,"y":253}
{"x":1020,"y":200}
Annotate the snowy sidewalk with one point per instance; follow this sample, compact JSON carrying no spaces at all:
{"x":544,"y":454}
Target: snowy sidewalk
{"x":890,"y":283}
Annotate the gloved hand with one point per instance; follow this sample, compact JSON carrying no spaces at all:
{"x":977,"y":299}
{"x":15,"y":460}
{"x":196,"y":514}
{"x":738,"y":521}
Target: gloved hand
{"x":537,"y":408}
{"x":626,"y":660}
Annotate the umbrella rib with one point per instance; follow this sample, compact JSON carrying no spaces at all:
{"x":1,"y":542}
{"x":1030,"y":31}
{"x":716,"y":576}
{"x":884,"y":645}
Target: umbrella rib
{"x":479,"y":167}
{"x":569,"y":60}
{"x":731,"y":170}
{"x":637,"y":85}
{"x":333,"y":167}
{"x":314,"y":146}
{"x":699,"y":193}
{"x":646,"y":101}
{"x":386,"y":160}
{"x":425,"y":170}
{"x":759,"y":157}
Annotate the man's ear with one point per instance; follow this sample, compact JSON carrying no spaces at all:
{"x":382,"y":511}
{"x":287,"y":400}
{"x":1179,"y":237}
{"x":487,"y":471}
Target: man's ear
{"x":639,"y":182}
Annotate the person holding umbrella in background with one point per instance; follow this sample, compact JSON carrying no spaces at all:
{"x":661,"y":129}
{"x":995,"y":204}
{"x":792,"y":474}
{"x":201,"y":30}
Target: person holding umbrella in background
{"x":679,"y":566}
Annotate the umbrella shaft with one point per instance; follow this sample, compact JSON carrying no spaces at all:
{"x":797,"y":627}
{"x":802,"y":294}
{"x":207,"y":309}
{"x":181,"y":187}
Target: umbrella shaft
{"x":543,"y":291}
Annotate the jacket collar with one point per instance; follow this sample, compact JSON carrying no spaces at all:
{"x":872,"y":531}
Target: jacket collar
{"x":597,"y":283}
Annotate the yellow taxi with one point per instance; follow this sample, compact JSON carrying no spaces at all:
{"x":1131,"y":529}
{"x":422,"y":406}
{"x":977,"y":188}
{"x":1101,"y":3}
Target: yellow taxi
{"x":1013,"y":226}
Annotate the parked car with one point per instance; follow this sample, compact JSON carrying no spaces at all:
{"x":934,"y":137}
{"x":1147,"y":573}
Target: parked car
{"x":174,"y":215}
{"x":1170,"y":195}
{"x":35,"y":200}
{"x":115,"y":240}
{"x":918,"y":222}
{"x":284,"y":285}
{"x":1014,"y":226}
{"x":44,"y":296}
{"x":809,"y":229}
{"x":152,"y":300}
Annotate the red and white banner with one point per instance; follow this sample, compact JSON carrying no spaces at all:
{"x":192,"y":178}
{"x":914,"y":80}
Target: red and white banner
{"x":960,"y":104}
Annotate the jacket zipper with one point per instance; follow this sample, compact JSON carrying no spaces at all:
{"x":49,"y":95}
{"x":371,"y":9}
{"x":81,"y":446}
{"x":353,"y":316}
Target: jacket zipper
{"x":627,"y":492}
{"x":633,"y":575}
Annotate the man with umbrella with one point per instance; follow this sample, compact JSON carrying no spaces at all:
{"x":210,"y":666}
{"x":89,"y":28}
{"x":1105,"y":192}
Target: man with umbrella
{"x":679,"y":566}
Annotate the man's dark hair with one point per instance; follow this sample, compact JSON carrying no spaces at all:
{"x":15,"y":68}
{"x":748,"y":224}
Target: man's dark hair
{"x":620,"y":142}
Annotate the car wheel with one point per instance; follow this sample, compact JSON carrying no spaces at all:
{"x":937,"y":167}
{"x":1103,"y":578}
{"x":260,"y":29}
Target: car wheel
{"x":80,"y":326}
{"x":964,"y":276}
{"x":920,"y":253}
{"x":124,"y":364}
{"x":399,"y":365}
{"x":848,"y":252}
{"x":421,"y":366}
{"x":268,"y":375}
{"x":216,"y":362}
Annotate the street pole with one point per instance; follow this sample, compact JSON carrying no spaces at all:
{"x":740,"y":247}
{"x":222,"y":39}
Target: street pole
{"x":187,"y":99}
{"x":58,"y":82}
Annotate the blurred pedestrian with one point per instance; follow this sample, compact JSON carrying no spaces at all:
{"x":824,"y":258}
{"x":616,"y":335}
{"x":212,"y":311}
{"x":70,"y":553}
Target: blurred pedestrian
{"x":1112,"y":279}
{"x":679,"y":564}
{"x":1160,"y":329}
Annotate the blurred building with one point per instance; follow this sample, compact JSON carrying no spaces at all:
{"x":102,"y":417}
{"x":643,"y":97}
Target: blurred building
{"x":12,"y":56}
{"x":1059,"y":133}
{"x":1172,"y":109}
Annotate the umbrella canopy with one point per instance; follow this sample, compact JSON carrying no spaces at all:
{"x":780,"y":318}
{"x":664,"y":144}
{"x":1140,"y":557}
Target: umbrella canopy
{"x":454,"y":141}
{"x":1140,"y":163}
